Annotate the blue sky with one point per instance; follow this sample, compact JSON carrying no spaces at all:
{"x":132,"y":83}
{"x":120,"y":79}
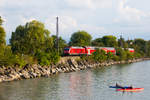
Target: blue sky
{"x":129,"y":18}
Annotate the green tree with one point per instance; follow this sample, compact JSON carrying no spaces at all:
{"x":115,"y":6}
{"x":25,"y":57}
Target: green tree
{"x":140,"y":46}
{"x":148,"y":48}
{"x":130,"y":43}
{"x":122,"y":43}
{"x":30,"y":38}
{"x":80,"y":38}
{"x":1,"y":21}
{"x":97,"y":42}
{"x":6,"y":55}
{"x":62,"y":43}
{"x":2,"y":38}
{"x":34,"y":40}
{"x":110,"y":41}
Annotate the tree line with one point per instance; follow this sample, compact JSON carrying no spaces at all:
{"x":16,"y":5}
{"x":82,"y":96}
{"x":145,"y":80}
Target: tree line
{"x":32,"y":43}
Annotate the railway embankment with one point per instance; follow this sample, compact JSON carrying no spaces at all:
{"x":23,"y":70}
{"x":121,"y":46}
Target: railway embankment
{"x":65,"y":65}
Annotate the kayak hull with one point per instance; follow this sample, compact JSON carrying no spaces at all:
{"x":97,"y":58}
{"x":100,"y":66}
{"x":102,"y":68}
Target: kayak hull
{"x":131,"y":90}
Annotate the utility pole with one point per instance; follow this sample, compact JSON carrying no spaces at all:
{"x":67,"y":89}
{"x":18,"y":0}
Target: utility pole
{"x":121,"y":41}
{"x":57,"y":33}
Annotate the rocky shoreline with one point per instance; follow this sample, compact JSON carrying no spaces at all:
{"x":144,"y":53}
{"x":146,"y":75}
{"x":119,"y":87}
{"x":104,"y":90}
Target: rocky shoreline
{"x":66,"y":64}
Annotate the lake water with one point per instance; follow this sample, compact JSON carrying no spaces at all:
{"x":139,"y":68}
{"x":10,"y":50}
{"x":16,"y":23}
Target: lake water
{"x":89,"y":84}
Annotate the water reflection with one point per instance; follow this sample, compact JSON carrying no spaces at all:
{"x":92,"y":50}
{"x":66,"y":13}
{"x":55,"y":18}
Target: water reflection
{"x":32,"y":89}
{"x":80,"y":86}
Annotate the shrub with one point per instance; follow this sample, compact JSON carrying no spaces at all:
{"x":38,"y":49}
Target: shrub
{"x":10,"y":59}
{"x":99,"y":55}
{"x":115,"y":58}
{"x":121,"y":54}
{"x":130,"y":55}
{"x":110,"y":56}
{"x":137,"y":55}
{"x":47,"y":58}
{"x":54,"y":57}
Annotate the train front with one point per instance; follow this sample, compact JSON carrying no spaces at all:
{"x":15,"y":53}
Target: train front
{"x":66,"y":51}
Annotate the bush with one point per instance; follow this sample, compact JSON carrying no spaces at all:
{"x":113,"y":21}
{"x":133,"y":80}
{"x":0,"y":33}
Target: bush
{"x":47,"y":58}
{"x":10,"y":59}
{"x":99,"y":55}
{"x":137,"y":55}
{"x":121,"y":54}
{"x":130,"y":55}
{"x":54,"y":57}
{"x":110,"y":56}
{"x":115,"y":58}
{"x":85,"y":57}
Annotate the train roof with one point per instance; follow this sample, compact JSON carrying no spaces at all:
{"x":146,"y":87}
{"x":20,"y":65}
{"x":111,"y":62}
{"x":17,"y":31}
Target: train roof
{"x":73,"y":47}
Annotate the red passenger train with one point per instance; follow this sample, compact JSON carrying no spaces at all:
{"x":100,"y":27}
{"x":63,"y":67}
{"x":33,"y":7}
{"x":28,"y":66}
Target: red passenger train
{"x":88,"y":50}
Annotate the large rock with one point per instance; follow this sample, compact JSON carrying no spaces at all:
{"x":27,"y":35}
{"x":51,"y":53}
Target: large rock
{"x":25,"y":74}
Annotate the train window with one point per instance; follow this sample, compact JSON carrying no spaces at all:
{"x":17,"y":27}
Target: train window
{"x":66,"y":49}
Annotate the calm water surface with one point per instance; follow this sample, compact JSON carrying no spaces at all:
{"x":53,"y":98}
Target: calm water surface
{"x":90,"y":84}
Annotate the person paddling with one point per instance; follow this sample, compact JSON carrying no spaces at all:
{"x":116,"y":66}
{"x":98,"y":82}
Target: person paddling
{"x":130,"y":87}
{"x":119,"y":86}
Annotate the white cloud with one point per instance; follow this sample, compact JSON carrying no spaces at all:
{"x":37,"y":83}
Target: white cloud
{"x":92,"y":28}
{"x":95,"y":31}
{"x":25,"y":20}
{"x":7,"y":2}
{"x":66,"y":25}
{"x":128,"y":13}
{"x":103,"y":3}
{"x":67,"y":22}
{"x":92,"y":4}
{"x":25,"y":3}
{"x":80,"y":3}
{"x":2,"y":2}
{"x":3,"y":18}
{"x":93,"y":16}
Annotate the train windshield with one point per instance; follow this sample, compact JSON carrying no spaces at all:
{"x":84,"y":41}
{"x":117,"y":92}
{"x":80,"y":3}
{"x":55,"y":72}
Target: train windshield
{"x":66,"y":49}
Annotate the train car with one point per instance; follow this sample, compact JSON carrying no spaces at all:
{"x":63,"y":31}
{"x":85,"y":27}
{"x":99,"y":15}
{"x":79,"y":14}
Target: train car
{"x":79,"y":50}
{"x":74,"y":50}
{"x":131,"y":50}
{"x":109,"y":49}
{"x":106,"y":49}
